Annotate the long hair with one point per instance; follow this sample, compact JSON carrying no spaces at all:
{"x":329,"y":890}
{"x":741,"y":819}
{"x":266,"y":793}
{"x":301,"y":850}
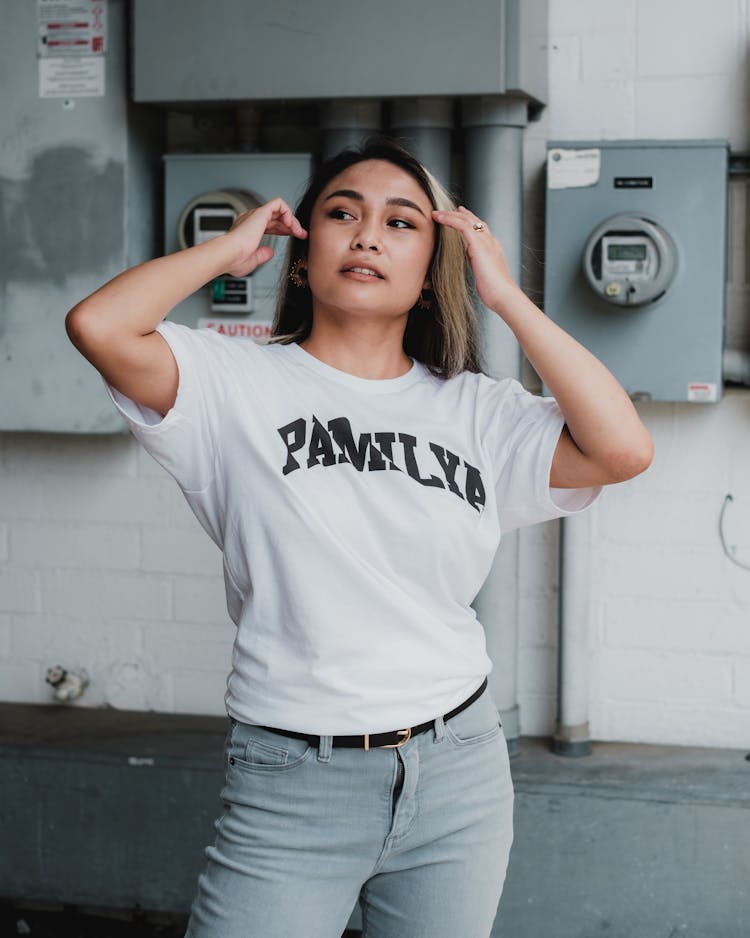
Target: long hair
{"x":445,"y":337}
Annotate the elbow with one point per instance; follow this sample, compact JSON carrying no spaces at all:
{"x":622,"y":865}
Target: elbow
{"x":82,"y":327}
{"x":75,"y":325}
{"x":631,"y":461}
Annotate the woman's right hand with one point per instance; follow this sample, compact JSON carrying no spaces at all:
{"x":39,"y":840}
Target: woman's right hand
{"x":273,"y":218}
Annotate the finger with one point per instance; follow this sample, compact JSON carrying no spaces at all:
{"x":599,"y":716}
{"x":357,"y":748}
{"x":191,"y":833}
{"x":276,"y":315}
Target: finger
{"x":293,"y":223}
{"x":263,"y":254}
{"x":285,"y":222}
{"x":280,"y":227}
{"x":454,"y":220}
{"x":466,"y":222}
{"x":446,"y":217}
{"x":474,"y":219}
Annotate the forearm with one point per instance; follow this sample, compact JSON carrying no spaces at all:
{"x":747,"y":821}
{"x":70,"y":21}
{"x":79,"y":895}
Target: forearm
{"x":138,"y":299}
{"x":600,"y":416}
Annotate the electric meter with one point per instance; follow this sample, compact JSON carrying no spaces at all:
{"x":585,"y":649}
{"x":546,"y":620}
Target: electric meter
{"x":630,"y":260}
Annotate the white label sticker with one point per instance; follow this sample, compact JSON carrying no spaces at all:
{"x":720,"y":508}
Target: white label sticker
{"x":71,"y":78}
{"x":702,"y":393}
{"x":573,"y":169}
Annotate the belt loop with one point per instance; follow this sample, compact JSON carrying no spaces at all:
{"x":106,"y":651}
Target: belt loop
{"x":439,"y":729}
{"x":325,"y":747}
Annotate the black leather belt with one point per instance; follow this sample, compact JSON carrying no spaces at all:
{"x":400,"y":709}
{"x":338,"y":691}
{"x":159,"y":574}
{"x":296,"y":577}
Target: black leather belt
{"x":391,"y":740}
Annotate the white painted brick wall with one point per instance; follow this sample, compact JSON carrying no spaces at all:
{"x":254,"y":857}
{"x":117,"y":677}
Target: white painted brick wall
{"x":670,"y":642}
{"x":104,"y":568}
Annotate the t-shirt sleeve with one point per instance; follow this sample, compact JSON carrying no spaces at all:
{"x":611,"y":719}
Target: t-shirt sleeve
{"x":520,"y":432}
{"x":184,"y":440}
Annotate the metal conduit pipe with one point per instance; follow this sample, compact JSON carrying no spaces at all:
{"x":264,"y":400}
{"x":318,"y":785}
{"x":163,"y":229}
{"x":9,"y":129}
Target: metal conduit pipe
{"x":736,"y":366}
{"x":348,"y":123}
{"x":424,"y":126}
{"x":572,"y":736}
{"x":494,"y":191}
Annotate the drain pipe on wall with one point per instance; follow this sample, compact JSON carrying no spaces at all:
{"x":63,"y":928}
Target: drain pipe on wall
{"x":572,"y":736}
{"x":736,"y":366}
{"x":347,"y":123}
{"x":424,"y":125}
{"x":493,"y":154}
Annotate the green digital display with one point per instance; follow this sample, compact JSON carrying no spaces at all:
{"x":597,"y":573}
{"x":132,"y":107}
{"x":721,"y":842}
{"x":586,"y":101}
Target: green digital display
{"x":626,"y":252}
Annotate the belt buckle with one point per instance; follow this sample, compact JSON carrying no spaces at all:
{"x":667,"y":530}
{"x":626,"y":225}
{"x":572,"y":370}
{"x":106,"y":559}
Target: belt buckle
{"x":405,"y":733}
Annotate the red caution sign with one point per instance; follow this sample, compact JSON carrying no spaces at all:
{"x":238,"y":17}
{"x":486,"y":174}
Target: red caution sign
{"x":234,"y":328}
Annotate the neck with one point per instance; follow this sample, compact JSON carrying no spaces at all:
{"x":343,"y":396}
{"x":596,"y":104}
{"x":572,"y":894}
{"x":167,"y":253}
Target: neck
{"x":362,"y":348}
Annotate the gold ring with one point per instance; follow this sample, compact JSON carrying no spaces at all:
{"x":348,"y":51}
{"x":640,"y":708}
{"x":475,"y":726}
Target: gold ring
{"x":478,"y":226}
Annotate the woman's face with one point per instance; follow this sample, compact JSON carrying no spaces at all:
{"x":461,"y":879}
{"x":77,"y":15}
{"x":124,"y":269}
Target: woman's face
{"x":371,"y":238}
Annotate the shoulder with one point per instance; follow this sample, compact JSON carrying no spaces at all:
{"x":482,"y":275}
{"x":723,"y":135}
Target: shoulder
{"x":210,"y":347}
{"x":483,"y":388}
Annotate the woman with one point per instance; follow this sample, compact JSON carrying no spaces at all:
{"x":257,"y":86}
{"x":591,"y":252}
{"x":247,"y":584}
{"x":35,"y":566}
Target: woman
{"x":357,"y":472}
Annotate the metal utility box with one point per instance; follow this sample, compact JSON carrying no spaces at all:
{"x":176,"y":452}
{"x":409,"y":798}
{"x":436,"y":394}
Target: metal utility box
{"x":231,"y":50}
{"x":78,"y":204}
{"x":203,"y":194}
{"x":635,"y":260}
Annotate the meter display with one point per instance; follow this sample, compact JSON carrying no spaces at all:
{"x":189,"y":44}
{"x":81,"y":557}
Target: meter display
{"x":626,"y":251}
{"x":210,"y":222}
{"x":630,"y":260}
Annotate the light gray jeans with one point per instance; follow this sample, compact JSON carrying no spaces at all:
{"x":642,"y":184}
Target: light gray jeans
{"x":420,"y":835}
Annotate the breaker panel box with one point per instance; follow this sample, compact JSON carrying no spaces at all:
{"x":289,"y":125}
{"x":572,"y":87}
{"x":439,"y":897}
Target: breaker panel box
{"x":635,"y":260}
{"x":204,"y":193}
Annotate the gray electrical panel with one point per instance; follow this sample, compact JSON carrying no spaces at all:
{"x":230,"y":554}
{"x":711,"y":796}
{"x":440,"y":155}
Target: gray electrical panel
{"x":203,"y":195}
{"x":635,"y":260}
{"x":78,"y":204}
{"x":190,"y":50}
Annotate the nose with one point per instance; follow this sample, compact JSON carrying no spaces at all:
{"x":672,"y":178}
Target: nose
{"x":365,"y":238}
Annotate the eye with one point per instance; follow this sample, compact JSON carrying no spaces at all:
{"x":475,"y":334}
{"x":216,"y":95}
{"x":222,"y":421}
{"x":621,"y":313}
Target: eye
{"x":400,"y":223}
{"x":339,"y":213}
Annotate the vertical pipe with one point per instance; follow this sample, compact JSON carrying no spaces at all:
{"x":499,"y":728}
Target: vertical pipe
{"x":494,"y":191}
{"x":346,"y":123}
{"x":572,"y":736}
{"x":248,"y":121}
{"x":424,"y":127}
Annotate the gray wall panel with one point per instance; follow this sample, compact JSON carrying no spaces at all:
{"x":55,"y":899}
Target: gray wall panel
{"x":234,"y":49}
{"x":74,"y":196}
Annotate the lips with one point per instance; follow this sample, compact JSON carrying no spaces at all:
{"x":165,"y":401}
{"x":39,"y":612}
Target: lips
{"x":363,"y":270}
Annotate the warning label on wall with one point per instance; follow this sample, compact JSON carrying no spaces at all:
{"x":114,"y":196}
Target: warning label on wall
{"x":236,"y":328}
{"x":71,"y":78}
{"x":699,"y":392}
{"x":71,"y":27}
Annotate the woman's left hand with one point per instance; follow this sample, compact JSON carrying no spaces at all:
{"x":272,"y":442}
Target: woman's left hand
{"x":491,"y":275}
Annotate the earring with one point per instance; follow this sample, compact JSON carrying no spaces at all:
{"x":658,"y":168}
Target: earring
{"x":295,"y":274}
{"x":425,"y":300}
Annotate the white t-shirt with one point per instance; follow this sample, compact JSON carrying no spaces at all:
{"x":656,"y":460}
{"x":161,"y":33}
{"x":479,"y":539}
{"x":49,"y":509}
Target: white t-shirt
{"x":358,"y":520}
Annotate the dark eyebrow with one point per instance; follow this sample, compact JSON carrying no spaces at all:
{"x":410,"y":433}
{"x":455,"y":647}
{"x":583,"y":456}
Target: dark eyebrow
{"x":406,"y":203}
{"x":358,"y":197}
{"x":347,"y":194}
